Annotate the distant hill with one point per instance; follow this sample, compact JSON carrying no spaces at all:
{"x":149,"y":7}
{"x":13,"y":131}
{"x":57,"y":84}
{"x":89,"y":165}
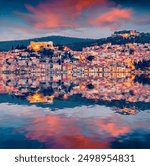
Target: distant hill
{"x":71,"y":42}
{"x":77,"y":43}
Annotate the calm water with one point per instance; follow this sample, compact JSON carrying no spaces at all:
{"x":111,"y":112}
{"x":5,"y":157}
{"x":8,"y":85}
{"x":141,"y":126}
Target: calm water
{"x":75,"y":111}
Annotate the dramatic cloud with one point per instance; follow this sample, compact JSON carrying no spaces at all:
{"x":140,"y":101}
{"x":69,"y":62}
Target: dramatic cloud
{"x":71,"y":14}
{"x":81,"y":5}
{"x":45,"y":17}
{"x":64,"y":14}
{"x":112,"y":19}
{"x":78,"y":18}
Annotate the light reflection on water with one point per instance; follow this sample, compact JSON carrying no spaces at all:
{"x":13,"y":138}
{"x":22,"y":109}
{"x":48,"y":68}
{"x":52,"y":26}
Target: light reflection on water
{"x":99,"y":112}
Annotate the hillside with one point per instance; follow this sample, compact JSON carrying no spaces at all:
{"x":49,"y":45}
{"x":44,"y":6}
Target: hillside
{"x":142,"y":38}
{"x":72,"y":42}
{"x":77,"y":43}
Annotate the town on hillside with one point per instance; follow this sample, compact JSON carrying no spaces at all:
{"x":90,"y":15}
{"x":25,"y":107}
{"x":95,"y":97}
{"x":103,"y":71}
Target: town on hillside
{"x":108,"y":57}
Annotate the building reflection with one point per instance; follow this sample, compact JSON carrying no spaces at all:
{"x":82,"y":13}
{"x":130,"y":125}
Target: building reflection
{"x":45,"y":88}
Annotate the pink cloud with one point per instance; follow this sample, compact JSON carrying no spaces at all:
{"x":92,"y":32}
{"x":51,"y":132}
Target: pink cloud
{"x":62,"y":14}
{"x":67,"y":14}
{"x":81,"y":5}
{"x":112,"y":19}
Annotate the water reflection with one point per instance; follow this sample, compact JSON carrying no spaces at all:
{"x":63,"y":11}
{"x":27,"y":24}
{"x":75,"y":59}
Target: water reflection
{"x":75,"y":111}
{"x":37,"y":88}
{"x":88,"y":134}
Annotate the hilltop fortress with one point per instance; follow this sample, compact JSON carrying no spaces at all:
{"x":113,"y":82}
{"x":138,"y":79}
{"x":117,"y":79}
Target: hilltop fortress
{"x":126,"y":34}
{"x":37,"y":46}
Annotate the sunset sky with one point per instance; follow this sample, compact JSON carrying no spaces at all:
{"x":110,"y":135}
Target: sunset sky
{"x":22,"y":19}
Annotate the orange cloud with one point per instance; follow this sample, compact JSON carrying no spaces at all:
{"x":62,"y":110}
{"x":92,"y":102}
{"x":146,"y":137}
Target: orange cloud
{"x":81,"y":5}
{"x":62,"y":14}
{"x":44,"y":17}
{"x":112,"y":19}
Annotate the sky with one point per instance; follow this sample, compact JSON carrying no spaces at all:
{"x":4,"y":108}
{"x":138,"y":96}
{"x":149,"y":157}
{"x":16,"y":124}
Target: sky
{"x":24,"y":19}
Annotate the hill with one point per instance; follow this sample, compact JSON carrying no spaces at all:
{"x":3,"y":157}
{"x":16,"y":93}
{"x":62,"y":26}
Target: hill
{"x":141,"y":38}
{"x":71,"y":42}
{"x":79,"y":43}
